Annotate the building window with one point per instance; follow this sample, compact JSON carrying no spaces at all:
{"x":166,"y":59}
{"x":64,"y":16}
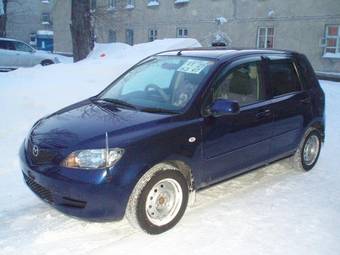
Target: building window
{"x":130,"y":4}
{"x":153,"y":2}
{"x":112,"y":36}
{"x":45,"y":19}
{"x":93,"y":5}
{"x":265,"y":37}
{"x":153,"y":33}
{"x":129,"y":36}
{"x":332,"y":41}
{"x":182,"y":32}
{"x":112,"y":4}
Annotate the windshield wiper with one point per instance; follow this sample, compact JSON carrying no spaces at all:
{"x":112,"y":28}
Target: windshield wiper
{"x":119,"y":102}
{"x":158,"y":110}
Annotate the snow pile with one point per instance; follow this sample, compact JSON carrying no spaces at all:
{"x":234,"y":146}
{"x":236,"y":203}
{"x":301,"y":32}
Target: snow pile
{"x":33,"y":92}
{"x":274,"y":210}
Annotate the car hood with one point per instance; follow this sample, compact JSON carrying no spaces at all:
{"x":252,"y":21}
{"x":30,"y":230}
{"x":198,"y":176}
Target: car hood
{"x":88,"y":121}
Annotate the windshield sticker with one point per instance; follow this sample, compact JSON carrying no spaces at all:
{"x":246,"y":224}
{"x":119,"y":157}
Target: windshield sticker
{"x":193,"y":66}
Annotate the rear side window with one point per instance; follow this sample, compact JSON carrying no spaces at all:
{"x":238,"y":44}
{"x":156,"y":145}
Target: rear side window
{"x":283,"y":77}
{"x":307,"y":73}
{"x":7,"y":45}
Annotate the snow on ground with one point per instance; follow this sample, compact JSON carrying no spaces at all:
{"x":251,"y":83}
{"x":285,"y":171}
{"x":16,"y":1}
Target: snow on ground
{"x":274,"y":210}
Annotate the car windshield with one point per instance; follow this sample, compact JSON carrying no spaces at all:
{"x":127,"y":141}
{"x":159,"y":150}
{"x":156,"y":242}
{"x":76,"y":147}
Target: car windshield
{"x":161,"y":83}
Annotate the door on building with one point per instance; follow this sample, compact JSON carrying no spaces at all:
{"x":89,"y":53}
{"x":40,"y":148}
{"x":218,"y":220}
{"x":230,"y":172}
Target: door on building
{"x":129,"y":36}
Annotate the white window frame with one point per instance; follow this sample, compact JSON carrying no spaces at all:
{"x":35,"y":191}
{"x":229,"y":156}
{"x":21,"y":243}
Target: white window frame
{"x":336,"y":47}
{"x":266,"y":36}
{"x":130,"y":4}
{"x":153,"y":3}
{"x":182,"y":29}
{"x":46,"y":21}
{"x":111,"y":4}
{"x":152,"y":34}
{"x":91,"y":5}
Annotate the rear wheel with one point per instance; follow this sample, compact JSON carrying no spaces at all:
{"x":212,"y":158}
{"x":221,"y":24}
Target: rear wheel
{"x":308,"y":152}
{"x":47,"y":62}
{"x":158,"y":201}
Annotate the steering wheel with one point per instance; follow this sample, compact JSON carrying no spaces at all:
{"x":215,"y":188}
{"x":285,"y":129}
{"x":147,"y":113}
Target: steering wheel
{"x":154,"y":87}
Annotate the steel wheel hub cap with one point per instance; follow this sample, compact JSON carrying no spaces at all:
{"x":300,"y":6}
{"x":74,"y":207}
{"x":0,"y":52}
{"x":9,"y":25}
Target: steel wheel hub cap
{"x":311,"y":150}
{"x":164,"y":202}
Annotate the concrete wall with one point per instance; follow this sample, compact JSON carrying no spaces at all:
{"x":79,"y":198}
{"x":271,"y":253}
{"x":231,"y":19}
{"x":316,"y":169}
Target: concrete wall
{"x":298,"y":25}
{"x":61,"y":26}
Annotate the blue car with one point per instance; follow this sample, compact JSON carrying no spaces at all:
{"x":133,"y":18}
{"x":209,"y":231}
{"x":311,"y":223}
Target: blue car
{"x":173,"y":124}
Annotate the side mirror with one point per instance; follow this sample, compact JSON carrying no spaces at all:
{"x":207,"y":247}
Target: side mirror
{"x":222,"y":107}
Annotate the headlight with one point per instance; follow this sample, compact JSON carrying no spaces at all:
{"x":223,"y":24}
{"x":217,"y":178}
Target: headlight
{"x":93,"y":159}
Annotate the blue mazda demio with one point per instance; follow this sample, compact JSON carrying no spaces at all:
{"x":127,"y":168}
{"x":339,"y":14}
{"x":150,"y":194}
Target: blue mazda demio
{"x":174,"y":123}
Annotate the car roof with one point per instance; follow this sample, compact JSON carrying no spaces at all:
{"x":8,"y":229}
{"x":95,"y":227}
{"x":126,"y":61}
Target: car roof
{"x":222,"y":53}
{"x":8,"y":39}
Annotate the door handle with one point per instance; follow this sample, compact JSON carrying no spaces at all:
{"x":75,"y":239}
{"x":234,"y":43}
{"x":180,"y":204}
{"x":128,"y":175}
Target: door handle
{"x":264,"y":113}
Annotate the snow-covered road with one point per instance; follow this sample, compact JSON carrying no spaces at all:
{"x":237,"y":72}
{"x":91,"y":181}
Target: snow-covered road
{"x":273,"y":210}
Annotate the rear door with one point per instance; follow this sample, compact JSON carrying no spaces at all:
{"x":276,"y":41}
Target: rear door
{"x":7,"y":54}
{"x":291,"y":104}
{"x":24,"y":54}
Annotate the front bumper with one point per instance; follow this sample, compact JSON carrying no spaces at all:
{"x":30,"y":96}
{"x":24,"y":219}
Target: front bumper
{"x":98,"y":198}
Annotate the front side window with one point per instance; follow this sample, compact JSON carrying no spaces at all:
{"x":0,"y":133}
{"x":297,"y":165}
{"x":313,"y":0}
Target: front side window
{"x":265,"y":37}
{"x":332,"y":37}
{"x":162,"y":82}
{"x":22,"y":47}
{"x":153,"y":34}
{"x":242,"y":84}
{"x":283,"y":77}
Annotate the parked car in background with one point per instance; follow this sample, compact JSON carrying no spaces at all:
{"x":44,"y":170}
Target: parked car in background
{"x":174,"y":123}
{"x":15,"y":54}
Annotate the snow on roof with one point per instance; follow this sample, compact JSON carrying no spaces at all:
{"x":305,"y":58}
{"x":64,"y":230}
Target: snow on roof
{"x":45,"y":32}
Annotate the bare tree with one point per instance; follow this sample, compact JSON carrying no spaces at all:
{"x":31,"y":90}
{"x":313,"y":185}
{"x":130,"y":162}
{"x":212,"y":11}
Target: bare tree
{"x":3,"y":17}
{"x":82,"y":29}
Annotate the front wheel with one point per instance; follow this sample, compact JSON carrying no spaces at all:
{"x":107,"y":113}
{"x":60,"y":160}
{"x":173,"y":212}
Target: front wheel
{"x":308,"y":152}
{"x":47,"y":62}
{"x":158,"y":203}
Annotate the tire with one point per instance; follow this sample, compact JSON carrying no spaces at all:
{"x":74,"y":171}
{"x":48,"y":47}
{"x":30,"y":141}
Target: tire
{"x":300,"y":160}
{"x":158,"y":201}
{"x":47,"y":62}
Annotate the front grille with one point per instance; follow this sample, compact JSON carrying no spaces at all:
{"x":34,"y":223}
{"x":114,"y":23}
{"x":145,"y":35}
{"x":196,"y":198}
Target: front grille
{"x":45,"y":156}
{"x":42,"y":192}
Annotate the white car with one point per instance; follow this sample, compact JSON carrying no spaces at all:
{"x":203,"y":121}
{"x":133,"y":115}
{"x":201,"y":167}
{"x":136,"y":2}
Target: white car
{"x":15,"y":54}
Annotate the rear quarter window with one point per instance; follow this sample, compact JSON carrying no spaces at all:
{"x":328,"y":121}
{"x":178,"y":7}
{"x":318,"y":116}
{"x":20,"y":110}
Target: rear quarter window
{"x":306,"y":71}
{"x":283,"y":77}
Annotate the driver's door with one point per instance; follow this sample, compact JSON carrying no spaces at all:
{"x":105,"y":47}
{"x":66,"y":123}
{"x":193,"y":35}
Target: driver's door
{"x":235,"y":143}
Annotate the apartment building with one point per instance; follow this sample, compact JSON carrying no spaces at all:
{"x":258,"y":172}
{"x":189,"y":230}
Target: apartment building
{"x":31,"y":21}
{"x":308,"y":26}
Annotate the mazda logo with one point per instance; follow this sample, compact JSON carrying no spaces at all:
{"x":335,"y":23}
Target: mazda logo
{"x":35,"y":150}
